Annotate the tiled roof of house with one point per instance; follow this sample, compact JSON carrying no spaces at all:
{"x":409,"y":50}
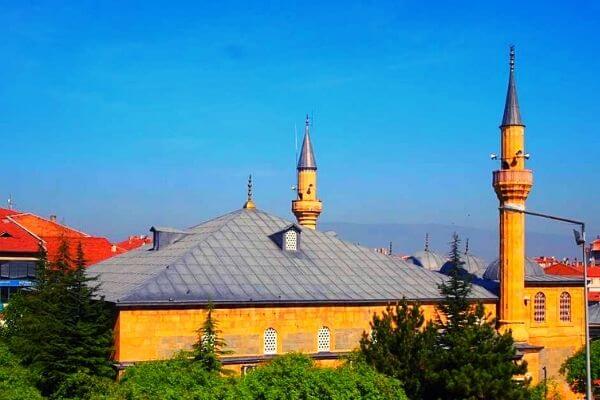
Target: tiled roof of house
{"x":133,"y":242}
{"x":16,"y":239}
{"x":238,"y":258}
{"x":51,"y":233}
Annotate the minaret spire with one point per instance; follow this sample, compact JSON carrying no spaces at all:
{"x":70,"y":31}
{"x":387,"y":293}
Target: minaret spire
{"x":307,"y":207}
{"x":512,"y":113}
{"x":249,"y":204}
{"x":307,"y":156}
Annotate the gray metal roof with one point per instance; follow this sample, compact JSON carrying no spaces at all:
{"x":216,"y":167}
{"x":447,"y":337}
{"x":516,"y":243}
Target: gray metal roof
{"x":534,"y":273}
{"x":428,"y":259}
{"x":235,"y":259}
{"x":512,"y":113}
{"x":532,"y":269}
{"x":471,"y":264}
{"x":594,"y":314}
{"x":307,"y":156}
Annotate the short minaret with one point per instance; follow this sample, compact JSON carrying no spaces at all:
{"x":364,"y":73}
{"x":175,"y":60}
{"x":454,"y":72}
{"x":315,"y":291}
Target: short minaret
{"x":512,"y":183}
{"x":307,"y":207}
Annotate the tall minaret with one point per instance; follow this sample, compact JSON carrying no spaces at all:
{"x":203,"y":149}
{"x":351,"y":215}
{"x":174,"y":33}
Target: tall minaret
{"x":512,"y":183}
{"x":307,"y":206}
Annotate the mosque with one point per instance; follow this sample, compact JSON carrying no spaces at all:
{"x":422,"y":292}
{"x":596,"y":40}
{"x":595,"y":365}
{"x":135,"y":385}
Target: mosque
{"x":281,"y":286}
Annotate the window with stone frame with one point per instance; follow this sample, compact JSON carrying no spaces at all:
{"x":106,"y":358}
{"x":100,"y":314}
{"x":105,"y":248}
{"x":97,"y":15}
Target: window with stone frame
{"x":270,"y":341}
{"x":323,"y":340}
{"x":539,"y":307}
{"x":565,"y":307}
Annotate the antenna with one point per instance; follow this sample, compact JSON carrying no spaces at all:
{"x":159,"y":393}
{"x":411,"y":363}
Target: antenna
{"x":296,"y":142}
{"x":10,"y":202}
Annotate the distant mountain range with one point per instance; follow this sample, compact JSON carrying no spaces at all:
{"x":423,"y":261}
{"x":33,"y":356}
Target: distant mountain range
{"x":409,"y":238}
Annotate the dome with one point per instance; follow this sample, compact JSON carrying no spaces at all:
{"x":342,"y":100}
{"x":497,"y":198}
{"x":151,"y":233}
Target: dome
{"x":428,"y":260}
{"x":472,"y":264}
{"x":531,"y":269}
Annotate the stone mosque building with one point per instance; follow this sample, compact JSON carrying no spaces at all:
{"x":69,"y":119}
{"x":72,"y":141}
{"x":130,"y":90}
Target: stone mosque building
{"x":281,"y":286}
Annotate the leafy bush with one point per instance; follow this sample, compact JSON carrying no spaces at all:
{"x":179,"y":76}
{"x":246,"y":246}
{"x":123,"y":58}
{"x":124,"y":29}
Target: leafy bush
{"x":173,"y":379}
{"x":574,"y":367}
{"x":16,"y":382}
{"x":295,"y":377}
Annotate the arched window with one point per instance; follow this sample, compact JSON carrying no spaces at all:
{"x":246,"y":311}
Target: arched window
{"x":323,"y":340}
{"x":565,"y":307}
{"x":539,"y":307}
{"x":270,"y":341}
{"x":291,"y":240}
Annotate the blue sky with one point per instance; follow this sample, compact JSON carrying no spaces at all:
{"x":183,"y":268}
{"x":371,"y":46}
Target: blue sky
{"x":120,"y":115}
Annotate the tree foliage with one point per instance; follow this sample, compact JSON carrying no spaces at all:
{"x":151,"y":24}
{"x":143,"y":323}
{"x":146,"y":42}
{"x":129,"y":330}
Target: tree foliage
{"x":61,"y":327}
{"x":210,"y":347}
{"x":460,"y":355}
{"x":574,"y":367}
{"x":16,"y":382}
{"x":399,"y":346}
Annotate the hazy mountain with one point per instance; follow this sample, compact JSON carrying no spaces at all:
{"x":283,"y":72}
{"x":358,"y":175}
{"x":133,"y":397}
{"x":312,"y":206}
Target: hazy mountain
{"x":409,"y":238}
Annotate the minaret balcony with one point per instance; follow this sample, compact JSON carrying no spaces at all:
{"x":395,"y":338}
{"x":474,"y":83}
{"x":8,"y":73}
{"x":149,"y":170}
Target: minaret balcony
{"x":512,"y":184}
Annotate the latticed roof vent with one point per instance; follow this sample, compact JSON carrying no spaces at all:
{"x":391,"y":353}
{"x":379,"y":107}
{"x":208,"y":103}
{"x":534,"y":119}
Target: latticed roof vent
{"x":288,"y":239}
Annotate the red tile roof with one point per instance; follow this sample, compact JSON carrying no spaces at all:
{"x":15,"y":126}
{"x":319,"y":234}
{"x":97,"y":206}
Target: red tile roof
{"x":95,"y":249}
{"x":16,"y":239}
{"x":564,"y":270}
{"x":133,"y":242}
{"x":51,"y":233}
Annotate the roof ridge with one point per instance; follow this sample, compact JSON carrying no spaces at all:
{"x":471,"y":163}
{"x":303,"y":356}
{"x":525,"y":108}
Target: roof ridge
{"x":54,"y":222}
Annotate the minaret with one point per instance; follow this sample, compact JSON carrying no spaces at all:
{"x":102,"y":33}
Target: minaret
{"x":512,"y":183}
{"x":307,"y":206}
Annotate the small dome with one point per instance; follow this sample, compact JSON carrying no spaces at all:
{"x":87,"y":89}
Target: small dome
{"x":472,"y":264}
{"x":531,"y":269}
{"x":428,"y":260}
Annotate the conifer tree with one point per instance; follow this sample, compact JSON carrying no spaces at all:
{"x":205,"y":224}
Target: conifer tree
{"x":471,"y":360}
{"x":210,"y":346}
{"x":61,"y":326}
{"x":399,"y":346}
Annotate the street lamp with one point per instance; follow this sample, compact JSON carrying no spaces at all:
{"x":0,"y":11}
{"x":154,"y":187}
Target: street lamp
{"x":580,"y":240}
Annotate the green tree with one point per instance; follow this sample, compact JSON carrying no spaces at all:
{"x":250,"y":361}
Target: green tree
{"x":62,"y":326}
{"x":210,"y":347}
{"x":399,"y":345}
{"x":471,"y":360}
{"x":574,"y":367}
{"x":16,"y":382}
{"x":295,"y":377}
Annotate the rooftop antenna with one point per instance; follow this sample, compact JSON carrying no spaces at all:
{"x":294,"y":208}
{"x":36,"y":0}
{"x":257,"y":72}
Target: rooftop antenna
{"x":10,"y":202}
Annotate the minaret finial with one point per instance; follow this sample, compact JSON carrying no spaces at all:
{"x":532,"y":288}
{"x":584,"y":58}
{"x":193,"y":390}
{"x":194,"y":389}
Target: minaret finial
{"x":390,"y":249}
{"x":467,"y":246}
{"x":512,"y":113}
{"x":512,"y":58}
{"x":427,"y":241}
{"x":249,"y":202}
{"x":307,"y":123}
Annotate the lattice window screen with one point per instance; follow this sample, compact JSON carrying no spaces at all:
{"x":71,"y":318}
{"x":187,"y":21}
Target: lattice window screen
{"x":323,"y":340}
{"x":565,"y":307}
{"x":270,"y":341}
{"x":291,"y":240}
{"x":539,"y":307}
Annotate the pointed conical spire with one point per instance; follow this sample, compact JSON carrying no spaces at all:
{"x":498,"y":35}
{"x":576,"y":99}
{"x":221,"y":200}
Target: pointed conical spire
{"x":512,"y":113}
{"x":307,"y":157}
{"x":249,"y":202}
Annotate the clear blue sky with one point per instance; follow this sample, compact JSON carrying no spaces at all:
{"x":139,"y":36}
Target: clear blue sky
{"x":117,"y":116}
